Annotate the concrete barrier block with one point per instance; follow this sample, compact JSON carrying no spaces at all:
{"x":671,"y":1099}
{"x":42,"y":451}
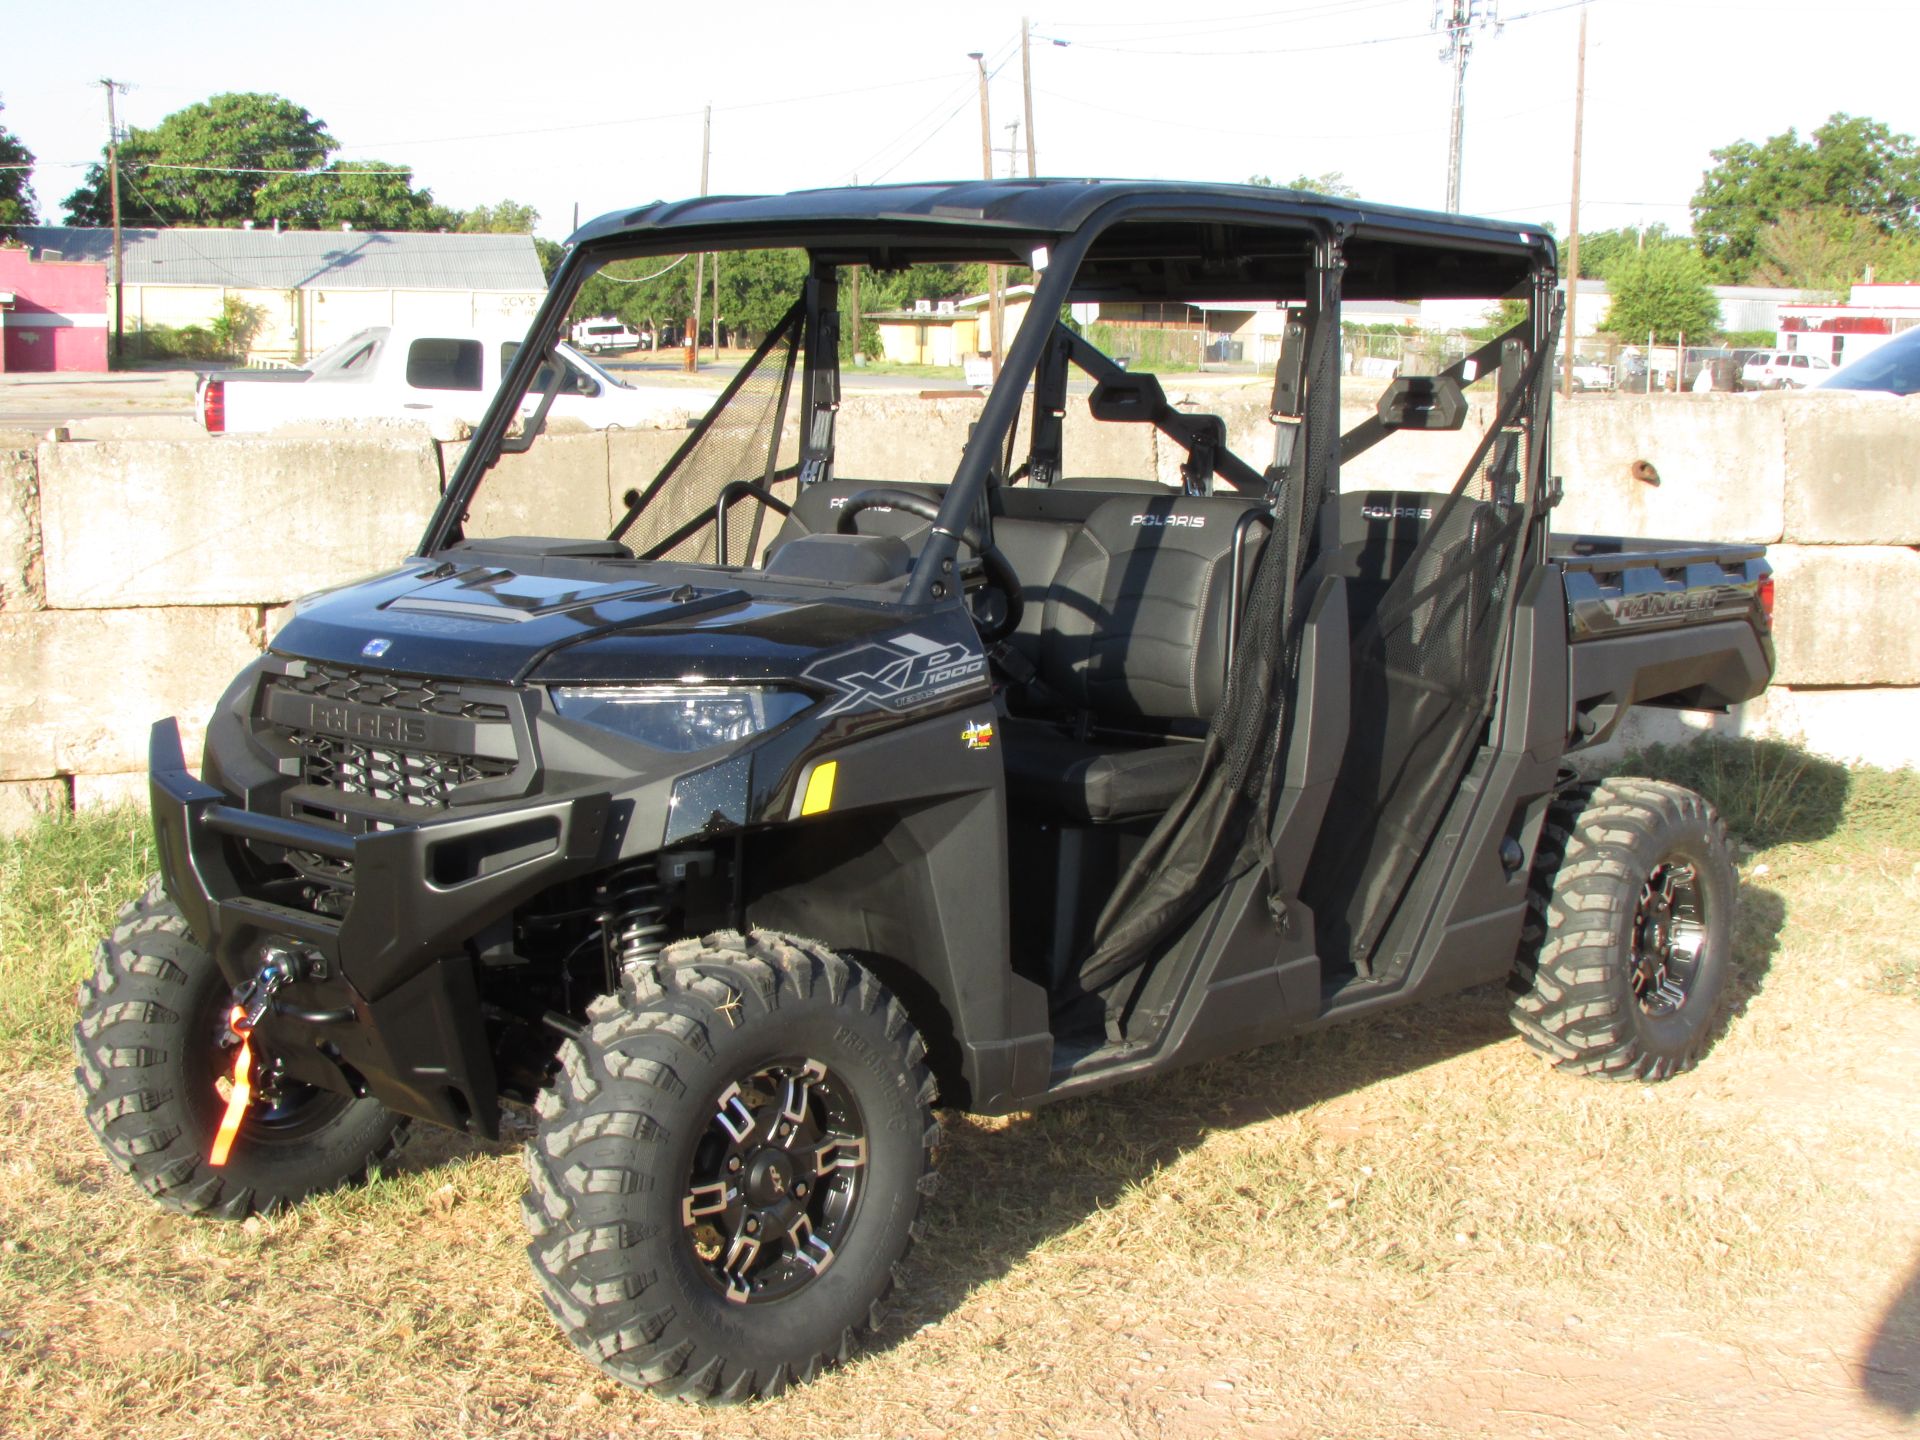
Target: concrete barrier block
{"x":1839,"y":615}
{"x":20,"y":572}
{"x":1853,"y":470}
{"x":236,"y":520}
{"x":109,"y":792}
{"x":1879,"y":726}
{"x":558,"y":487}
{"x":1721,"y":460}
{"x":22,"y":802}
{"x":82,"y":688}
{"x":903,"y":437}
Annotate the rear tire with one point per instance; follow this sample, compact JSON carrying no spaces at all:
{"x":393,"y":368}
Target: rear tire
{"x":689,"y":1237}
{"x":148,"y":1064}
{"x":1624,"y":958}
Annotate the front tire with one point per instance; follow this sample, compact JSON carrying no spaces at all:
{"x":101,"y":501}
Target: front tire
{"x":730,"y":1166}
{"x":1624,"y":958}
{"x":149,"y":1064}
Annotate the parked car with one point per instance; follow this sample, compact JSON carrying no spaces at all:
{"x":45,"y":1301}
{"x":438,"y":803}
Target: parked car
{"x":1784,"y":370}
{"x":596,"y":337}
{"x":1894,"y":368}
{"x":1592,"y":375}
{"x":438,"y":377}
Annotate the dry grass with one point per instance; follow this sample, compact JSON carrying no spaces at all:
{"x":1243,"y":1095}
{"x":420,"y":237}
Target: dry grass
{"x":1405,"y":1227}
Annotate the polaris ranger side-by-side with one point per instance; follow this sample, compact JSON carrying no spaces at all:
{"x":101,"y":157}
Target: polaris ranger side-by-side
{"x":741,"y":810}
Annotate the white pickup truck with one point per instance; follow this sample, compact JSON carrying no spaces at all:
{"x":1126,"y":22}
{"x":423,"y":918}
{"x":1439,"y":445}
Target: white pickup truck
{"x":443,"y":378}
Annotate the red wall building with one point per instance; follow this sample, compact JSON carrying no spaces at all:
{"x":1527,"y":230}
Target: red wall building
{"x":53,"y":313}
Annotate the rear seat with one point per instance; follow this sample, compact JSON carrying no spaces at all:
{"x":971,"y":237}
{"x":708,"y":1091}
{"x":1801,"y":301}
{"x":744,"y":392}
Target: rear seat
{"x":1132,"y":635}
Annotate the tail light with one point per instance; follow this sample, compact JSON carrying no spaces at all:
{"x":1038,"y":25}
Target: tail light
{"x":1766,"y":596}
{"x":213,"y":406}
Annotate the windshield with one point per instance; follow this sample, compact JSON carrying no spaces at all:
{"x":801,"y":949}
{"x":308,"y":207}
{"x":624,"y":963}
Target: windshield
{"x":352,"y":358}
{"x":1894,"y":367}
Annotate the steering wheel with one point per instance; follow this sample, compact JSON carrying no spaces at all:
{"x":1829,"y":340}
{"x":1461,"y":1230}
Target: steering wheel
{"x":993,"y":566}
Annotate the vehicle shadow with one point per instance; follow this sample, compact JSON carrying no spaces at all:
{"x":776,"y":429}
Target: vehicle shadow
{"x":1010,"y":1187}
{"x":1890,"y":1369}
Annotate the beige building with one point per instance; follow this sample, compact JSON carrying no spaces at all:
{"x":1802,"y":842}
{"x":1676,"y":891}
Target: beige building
{"x":947,"y":332}
{"x":293,"y":293}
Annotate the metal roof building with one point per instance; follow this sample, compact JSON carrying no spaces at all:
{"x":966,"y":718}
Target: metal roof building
{"x":291,"y":293}
{"x":288,"y":259}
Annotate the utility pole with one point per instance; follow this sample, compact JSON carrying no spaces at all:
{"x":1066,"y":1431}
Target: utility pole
{"x":853,"y":273}
{"x":1573,"y":222}
{"x":1026,"y":89}
{"x":1456,"y":18}
{"x":700,"y":261}
{"x":1012,"y":151}
{"x":994,"y":301}
{"x":113,"y":190}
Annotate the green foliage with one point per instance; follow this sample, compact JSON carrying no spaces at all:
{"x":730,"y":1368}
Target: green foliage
{"x":1825,"y":248}
{"x":237,"y":132}
{"x":1510,"y":314}
{"x":509,"y":217}
{"x":551,"y":252}
{"x":1601,"y":249}
{"x":367,"y":194}
{"x":1662,"y":290}
{"x":1749,"y":339}
{"x":248,"y":156}
{"x":1332,"y":182}
{"x":17,"y":204}
{"x":60,"y":885}
{"x":1850,"y":165}
{"x":236,"y":326}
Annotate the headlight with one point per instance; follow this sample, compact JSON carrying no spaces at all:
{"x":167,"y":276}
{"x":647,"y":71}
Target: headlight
{"x":676,"y":717}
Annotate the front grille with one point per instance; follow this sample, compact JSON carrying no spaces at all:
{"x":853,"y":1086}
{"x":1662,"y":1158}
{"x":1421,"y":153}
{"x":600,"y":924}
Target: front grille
{"x":413,"y":694}
{"x":413,"y":777}
{"x":403,"y":739}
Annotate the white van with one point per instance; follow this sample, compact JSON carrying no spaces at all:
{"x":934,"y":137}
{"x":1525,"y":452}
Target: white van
{"x":598,"y":336}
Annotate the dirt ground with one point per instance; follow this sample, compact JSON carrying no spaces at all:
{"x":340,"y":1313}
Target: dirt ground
{"x":1401,"y":1228}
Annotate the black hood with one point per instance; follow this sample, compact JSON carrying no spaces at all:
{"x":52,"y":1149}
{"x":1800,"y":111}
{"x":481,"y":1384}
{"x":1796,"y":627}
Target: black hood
{"x":470,"y":621}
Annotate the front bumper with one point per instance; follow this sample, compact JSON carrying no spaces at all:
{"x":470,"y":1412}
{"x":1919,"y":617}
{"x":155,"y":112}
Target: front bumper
{"x":392,"y":1006}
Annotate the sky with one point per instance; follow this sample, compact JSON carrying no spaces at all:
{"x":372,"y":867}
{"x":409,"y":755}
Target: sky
{"x":599,"y":106}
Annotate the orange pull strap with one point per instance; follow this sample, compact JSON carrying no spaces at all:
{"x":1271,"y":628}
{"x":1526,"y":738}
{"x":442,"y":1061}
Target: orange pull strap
{"x":238,"y":1099}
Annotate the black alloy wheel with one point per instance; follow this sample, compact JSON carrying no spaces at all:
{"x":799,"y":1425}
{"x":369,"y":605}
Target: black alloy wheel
{"x":1628,"y":941}
{"x":730,"y":1164}
{"x":775,"y":1188}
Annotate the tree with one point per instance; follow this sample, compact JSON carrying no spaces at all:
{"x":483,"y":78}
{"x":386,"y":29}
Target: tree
{"x":226,"y":143}
{"x":509,"y":217}
{"x":1333,"y":182}
{"x":1599,"y":249}
{"x":368,"y":194}
{"x":1820,"y":248}
{"x":1662,"y":290}
{"x":1850,"y":164}
{"x":17,"y":205}
{"x":252,"y":156}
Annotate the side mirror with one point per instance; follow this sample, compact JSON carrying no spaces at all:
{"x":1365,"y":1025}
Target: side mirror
{"x":1423,"y":402}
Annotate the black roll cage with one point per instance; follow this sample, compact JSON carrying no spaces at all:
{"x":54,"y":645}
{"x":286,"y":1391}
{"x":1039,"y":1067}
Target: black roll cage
{"x":1038,"y":351}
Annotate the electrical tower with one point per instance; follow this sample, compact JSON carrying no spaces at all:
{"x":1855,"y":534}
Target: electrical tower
{"x":1455,"y":20}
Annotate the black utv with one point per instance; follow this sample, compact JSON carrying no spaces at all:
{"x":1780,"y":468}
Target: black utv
{"x":752,"y":807}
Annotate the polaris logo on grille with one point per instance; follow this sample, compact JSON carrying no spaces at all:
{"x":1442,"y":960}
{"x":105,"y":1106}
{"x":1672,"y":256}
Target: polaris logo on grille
{"x":1170,"y":522}
{"x":358,"y":722}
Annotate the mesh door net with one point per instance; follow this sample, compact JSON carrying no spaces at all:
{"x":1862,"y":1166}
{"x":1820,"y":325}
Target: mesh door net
{"x":740,"y":439}
{"x":1423,"y":683}
{"x":1222,"y":826}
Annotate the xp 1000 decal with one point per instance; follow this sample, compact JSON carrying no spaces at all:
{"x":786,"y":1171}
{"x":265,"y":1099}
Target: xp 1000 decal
{"x":900,"y":674}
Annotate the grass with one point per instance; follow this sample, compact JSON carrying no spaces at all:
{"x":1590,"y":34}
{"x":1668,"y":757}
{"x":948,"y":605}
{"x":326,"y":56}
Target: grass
{"x":60,"y":885}
{"x":1399,"y":1227}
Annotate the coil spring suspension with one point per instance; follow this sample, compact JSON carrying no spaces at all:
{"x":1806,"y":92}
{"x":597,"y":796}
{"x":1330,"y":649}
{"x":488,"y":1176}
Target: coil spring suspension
{"x":633,"y":915}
